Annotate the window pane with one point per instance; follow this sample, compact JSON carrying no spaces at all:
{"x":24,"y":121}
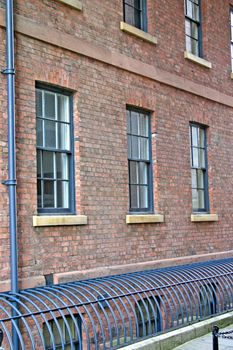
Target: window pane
{"x":39,"y":132}
{"x":201,"y":200}
{"x":134,"y":196}
{"x":202,"y":158}
{"x":194,"y":30}
{"x":134,"y":123}
{"x":195,"y":158}
{"x":39,"y":199}
{"x":48,"y":194}
{"x":143,"y":173}
{"x":50,"y":134}
{"x":143,"y":197}
{"x":128,"y":121}
{"x":194,"y":47}
{"x":63,"y":136}
{"x":188,"y":27}
{"x":135,"y":147}
{"x":62,"y":194}
{"x":195,"y":199}
{"x":129,"y":146}
{"x":38,"y":163}
{"x":62,"y":166}
{"x":194,"y":136}
{"x":133,"y":169}
{"x":39,"y":112}
{"x":200,"y":179}
{"x":143,"y":125}
{"x":49,"y":105}
{"x":201,"y":138}
{"x":144,"y":148}
{"x":188,"y":44}
{"x":48,"y":166}
{"x":194,"y":178}
{"x":63,"y":108}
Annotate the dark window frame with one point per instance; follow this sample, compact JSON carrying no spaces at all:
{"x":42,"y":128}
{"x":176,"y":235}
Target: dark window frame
{"x":71,"y":168}
{"x":150,"y":208}
{"x":142,"y":17}
{"x":203,"y":169}
{"x":198,"y":23}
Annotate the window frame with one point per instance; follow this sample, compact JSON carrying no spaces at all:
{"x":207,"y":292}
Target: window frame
{"x":204,"y":169}
{"x":143,"y":16}
{"x":71,"y":168}
{"x":199,"y":28}
{"x":150,"y":208}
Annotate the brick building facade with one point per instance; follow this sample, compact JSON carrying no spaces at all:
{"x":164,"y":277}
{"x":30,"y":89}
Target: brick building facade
{"x":106,"y":65}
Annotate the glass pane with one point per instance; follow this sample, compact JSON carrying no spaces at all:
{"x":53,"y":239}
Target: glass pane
{"x":143,"y":173}
{"x":144,"y":197}
{"x":128,"y":121}
{"x":135,"y":147}
{"x":196,"y":12}
{"x":194,"y":178}
{"x":133,"y":170}
{"x":63,"y":136}
{"x":49,"y":105}
{"x":129,"y":146}
{"x":202,"y":138}
{"x":202,"y":158}
{"x":189,"y":8}
{"x":38,"y":163}
{"x":194,"y":136}
{"x":188,"y":44}
{"x":48,"y":166}
{"x":48,"y":194}
{"x":39,"y":112}
{"x":132,"y":16}
{"x":194,"y":47}
{"x":50,"y":134}
{"x":195,"y":199}
{"x":62,"y":166}
{"x":195,"y":158}
{"x":144,"y":148}
{"x":200,"y":179}
{"x":194,"y":31}
{"x":187,"y":27}
{"x":201,"y":199}
{"x":143,"y":125}
{"x":134,"y":123}
{"x":134,"y":196}
{"x":62,"y":194}
{"x":39,"y":132}
{"x":63,"y":108}
{"x":46,"y":335}
{"x":39,"y":198}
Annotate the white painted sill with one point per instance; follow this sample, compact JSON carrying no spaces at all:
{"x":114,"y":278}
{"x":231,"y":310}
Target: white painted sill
{"x":125,"y":27}
{"x":143,"y":219}
{"x":76,"y":4}
{"x":197,"y":60}
{"x":204,"y":217}
{"x":59,"y":220}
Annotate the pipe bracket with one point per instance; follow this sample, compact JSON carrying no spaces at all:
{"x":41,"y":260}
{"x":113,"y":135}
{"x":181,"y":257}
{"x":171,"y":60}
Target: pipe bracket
{"x":8,"y":71}
{"x":9,"y":182}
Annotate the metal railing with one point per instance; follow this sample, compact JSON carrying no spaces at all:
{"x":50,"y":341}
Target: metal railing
{"x":114,"y":311}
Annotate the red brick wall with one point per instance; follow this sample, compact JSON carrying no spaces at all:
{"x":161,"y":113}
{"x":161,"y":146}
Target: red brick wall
{"x":101,"y":174}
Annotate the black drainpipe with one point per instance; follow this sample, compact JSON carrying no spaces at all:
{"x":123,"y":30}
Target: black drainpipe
{"x":11,"y":182}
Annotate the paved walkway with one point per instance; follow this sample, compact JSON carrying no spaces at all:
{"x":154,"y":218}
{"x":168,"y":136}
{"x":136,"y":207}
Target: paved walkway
{"x":206,"y":343}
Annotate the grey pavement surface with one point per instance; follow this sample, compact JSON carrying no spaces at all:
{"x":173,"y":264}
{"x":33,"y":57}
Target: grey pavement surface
{"x":206,"y":343}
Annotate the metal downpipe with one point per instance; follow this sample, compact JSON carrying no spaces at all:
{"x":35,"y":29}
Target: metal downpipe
{"x":11,"y":182}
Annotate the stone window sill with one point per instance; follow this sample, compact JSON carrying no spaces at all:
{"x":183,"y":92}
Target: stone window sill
{"x":77,"y":4}
{"x":232,"y":75}
{"x":204,"y":217}
{"x":125,"y":27}
{"x":59,"y":220}
{"x":143,"y":219}
{"x":197,"y":60}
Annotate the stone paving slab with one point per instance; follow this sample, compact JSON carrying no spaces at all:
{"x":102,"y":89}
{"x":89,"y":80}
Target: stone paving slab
{"x":206,"y":343}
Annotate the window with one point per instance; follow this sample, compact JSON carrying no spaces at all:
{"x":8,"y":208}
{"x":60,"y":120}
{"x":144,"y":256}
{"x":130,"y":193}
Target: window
{"x":148,"y":316}
{"x":232,"y":40}
{"x":193,"y":27}
{"x":139,"y":160}
{"x":65,"y":331}
{"x":135,"y":13}
{"x":199,"y":168}
{"x":54,"y":152}
{"x":208,"y":300}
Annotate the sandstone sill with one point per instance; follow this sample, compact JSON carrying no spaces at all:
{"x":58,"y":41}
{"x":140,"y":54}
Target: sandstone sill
{"x":143,"y":219}
{"x":197,"y":60}
{"x":125,"y":27}
{"x":59,"y":220}
{"x":204,"y":217}
{"x":77,"y":4}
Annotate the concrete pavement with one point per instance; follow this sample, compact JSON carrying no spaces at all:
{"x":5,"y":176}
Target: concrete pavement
{"x":206,"y":343}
